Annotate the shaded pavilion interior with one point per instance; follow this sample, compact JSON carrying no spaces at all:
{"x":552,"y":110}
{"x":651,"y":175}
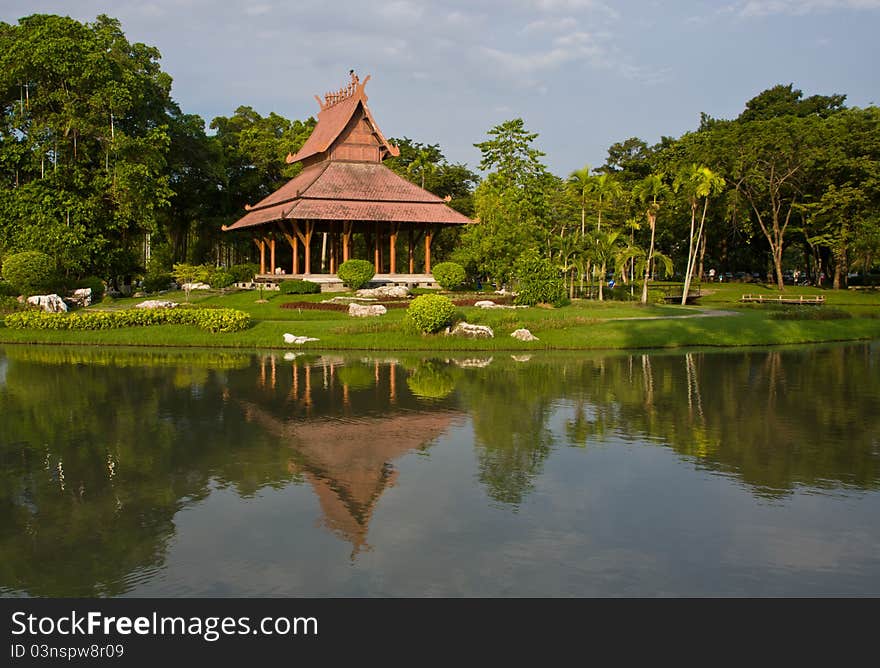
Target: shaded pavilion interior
{"x":344,"y":190}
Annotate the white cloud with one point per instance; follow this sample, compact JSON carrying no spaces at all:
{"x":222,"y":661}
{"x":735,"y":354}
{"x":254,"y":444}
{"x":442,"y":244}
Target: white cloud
{"x":550,"y":25}
{"x":573,"y":5}
{"x":757,"y":8}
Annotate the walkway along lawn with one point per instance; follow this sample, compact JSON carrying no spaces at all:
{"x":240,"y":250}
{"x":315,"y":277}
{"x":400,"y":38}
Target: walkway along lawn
{"x":584,"y":325}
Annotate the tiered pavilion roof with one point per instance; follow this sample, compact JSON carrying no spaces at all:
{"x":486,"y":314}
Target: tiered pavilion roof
{"x":345,"y":189}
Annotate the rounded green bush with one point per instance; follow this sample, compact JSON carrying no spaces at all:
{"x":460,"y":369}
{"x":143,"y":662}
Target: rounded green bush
{"x":30,"y":272}
{"x":450,"y":275}
{"x":430,"y":313}
{"x":538,"y":281}
{"x":355,"y":274}
{"x":298,"y":287}
{"x":220,"y":278}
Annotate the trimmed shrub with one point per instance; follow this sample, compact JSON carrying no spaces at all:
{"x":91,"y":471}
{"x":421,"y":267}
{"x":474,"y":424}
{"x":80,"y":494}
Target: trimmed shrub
{"x":355,"y":274}
{"x":30,"y":272}
{"x":450,"y":275}
{"x":95,"y":283}
{"x":157,"y":282}
{"x":220,"y":278}
{"x":298,"y":287}
{"x":430,"y":313}
{"x":538,"y":281}
{"x":214,"y":320}
{"x":243,"y":273}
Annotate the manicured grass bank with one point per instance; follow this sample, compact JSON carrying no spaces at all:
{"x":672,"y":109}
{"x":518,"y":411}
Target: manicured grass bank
{"x":581,"y":326}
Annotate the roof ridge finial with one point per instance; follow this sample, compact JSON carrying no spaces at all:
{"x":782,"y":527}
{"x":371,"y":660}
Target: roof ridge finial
{"x":352,"y":88}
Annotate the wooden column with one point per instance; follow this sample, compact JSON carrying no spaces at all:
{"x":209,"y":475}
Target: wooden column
{"x":306,"y":239}
{"x":376,"y":259}
{"x":412,"y":258}
{"x":262,"y":246}
{"x":429,"y":233}
{"x":392,"y":248}
{"x":310,"y":228}
{"x":333,"y":237}
{"x":294,"y":246}
{"x":272,"y":253}
{"x":346,"y":240}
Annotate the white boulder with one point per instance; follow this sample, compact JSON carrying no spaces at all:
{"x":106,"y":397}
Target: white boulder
{"x":81,"y":297}
{"x":524,"y":335}
{"x":485,"y":303}
{"x":470,"y":331}
{"x":366,"y":310}
{"x":298,"y":340}
{"x":156,"y":303}
{"x":49,"y":303}
{"x":198,"y":285}
{"x":385,"y":292}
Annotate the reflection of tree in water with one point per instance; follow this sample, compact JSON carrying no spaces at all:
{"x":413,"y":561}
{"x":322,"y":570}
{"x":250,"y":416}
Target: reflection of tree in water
{"x":98,"y":458}
{"x":510,"y":406}
{"x":777,"y":419}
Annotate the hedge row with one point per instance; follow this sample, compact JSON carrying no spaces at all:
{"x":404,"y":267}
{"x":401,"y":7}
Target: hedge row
{"x":212,"y":319}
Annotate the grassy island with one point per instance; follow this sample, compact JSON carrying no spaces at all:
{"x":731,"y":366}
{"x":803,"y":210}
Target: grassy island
{"x":720,"y":320}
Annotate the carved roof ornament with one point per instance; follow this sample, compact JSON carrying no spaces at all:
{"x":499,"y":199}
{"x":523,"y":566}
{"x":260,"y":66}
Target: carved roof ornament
{"x":354,"y":87}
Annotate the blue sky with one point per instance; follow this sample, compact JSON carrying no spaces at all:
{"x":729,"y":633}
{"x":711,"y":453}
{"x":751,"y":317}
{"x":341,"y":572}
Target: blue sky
{"x":582,"y":73}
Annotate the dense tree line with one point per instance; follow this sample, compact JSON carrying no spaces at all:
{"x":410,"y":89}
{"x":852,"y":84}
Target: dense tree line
{"x":102,"y":171}
{"x":793,"y":183}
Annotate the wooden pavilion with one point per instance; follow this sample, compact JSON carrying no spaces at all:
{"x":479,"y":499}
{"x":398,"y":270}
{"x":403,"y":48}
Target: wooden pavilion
{"x":343,"y":190}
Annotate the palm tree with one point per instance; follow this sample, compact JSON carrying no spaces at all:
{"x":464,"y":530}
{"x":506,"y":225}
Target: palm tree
{"x":604,"y":250}
{"x":697,"y":182}
{"x":651,"y":192}
{"x":605,"y":189}
{"x":580,"y":182}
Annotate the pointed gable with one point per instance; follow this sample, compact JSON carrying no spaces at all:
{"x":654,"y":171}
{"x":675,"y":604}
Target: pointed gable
{"x":346,"y":129}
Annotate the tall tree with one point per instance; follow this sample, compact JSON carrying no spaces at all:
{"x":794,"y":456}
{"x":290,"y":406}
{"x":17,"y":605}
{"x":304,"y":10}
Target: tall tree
{"x":651,"y":193}
{"x":511,"y":203}
{"x":83,"y":142}
{"x":697,"y":183}
{"x":770,"y":161}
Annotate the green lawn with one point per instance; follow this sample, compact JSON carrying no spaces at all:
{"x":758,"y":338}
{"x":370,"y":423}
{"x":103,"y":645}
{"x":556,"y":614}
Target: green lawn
{"x":583,"y":325}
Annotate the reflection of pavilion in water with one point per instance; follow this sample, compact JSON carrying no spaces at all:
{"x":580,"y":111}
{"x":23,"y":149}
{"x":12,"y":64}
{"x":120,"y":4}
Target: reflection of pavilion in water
{"x":347,"y":461}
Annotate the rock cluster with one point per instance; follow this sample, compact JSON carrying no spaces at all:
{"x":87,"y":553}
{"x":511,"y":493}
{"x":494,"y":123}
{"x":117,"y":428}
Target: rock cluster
{"x":385,"y":292}
{"x":81,"y":297}
{"x":156,"y":303}
{"x":49,"y":303}
{"x":198,"y":285}
{"x":470,"y":331}
{"x":486,"y":303}
{"x":366,"y":310}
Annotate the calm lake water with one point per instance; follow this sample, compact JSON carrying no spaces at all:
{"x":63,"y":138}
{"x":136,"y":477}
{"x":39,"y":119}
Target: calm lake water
{"x":165,"y":473}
